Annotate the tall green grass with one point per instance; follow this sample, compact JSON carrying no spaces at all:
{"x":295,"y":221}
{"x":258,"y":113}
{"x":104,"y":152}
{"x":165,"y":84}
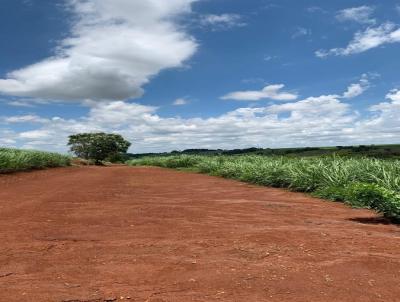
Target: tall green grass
{"x":12,"y":160}
{"x":361,"y":182}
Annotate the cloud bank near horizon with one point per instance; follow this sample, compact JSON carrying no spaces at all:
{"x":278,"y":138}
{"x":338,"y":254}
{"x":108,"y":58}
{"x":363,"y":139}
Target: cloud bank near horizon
{"x":321,"y":120}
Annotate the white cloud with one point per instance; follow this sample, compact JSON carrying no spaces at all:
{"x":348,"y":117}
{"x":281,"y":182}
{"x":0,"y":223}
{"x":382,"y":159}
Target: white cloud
{"x":357,"y":89}
{"x":272,"y":92}
{"x":365,"y":40}
{"x":361,"y":14}
{"x":150,"y":132}
{"x":316,"y":112}
{"x":321,"y":53}
{"x":270,"y":58}
{"x":114,"y":48}
{"x":221,"y":22}
{"x":18,"y":103}
{"x":30,"y":118}
{"x":117,"y":113}
{"x":300,"y":32}
{"x":28,"y":102}
{"x":35,"y":135}
{"x":7,"y":138}
{"x":180,"y":102}
{"x":394,"y":95}
{"x":353,"y":91}
{"x":314,"y":121}
{"x":383,"y":126}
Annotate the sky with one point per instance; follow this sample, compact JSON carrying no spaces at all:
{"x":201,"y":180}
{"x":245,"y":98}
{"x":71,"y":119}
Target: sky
{"x":179,"y":74}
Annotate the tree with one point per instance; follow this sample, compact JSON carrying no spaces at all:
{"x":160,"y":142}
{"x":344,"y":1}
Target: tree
{"x":98,"y":146}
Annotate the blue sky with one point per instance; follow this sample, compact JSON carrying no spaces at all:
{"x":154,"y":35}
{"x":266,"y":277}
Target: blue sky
{"x":200,"y":74}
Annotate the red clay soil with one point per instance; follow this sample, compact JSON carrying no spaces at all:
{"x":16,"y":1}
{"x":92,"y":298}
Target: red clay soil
{"x":150,"y":234}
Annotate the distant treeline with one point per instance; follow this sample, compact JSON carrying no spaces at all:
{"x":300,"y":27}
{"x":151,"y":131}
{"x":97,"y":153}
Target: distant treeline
{"x":377,"y":151}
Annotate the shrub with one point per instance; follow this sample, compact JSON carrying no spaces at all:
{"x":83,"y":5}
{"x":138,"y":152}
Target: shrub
{"x":17,"y":160}
{"x":334,"y":193}
{"x":375,"y":197}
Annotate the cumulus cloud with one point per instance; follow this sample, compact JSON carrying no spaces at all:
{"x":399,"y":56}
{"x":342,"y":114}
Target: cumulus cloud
{"x":357,"y":89}
{"x":115,"y":46}
{"x":272,"y":92}
{"x":314,"y":121}
{"x":221,"y":22}
{"x":383,"y":126}
{"x":353,"y":91}
{"x":312,"y":106}
{"x":394,"y":95}
{"x":320,"y":120}
{"x":239,"y":128}
{"x":36,"y":135}
{"x":361,"y":14}
{"x":370,"y":38}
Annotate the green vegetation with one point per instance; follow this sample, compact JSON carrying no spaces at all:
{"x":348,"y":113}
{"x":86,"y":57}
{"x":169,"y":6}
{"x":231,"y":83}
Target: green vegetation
{"x":360,"y":182}
{"x":373,"y":151}
{"x":12,"y":160}
{"x":99,"y":146}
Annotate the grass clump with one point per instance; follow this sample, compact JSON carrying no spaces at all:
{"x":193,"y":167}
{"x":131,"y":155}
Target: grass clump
{"x":361,"y":182}
{"x":12,"y":160}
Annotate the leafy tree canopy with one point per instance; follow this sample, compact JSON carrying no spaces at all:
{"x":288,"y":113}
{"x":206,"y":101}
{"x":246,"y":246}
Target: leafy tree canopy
{"x":98,"y":146}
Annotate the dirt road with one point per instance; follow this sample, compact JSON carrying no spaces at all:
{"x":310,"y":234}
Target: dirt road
{"x":148,"y":234}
